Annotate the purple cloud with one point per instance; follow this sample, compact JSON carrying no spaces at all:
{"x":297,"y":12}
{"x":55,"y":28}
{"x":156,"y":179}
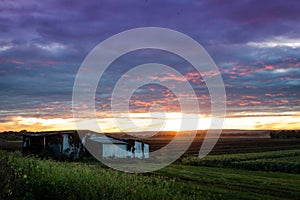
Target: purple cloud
{"x":42,"y":45}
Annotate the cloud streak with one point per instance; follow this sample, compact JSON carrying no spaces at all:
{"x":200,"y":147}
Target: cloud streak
{"x":255,"y":44}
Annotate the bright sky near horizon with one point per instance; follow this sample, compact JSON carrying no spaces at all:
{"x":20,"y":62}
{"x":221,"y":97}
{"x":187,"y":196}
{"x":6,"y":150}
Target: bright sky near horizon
{"x":255,"y":44}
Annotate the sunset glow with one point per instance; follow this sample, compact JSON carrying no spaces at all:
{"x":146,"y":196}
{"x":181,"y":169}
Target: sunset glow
{"x":42,"y":46}
{"x":172,"y":122}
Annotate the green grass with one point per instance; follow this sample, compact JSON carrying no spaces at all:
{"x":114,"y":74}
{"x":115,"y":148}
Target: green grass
{"x":244,"y":184}
{"x":33,"y":178}
{"x":282,"y":161}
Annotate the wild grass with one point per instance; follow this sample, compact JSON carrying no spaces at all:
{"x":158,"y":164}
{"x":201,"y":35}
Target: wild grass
{"x":32,"y":178}
{"x":214,"y":177}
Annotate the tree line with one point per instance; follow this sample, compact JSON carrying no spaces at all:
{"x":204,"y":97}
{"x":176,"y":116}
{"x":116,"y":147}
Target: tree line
{"x":285,"y":134}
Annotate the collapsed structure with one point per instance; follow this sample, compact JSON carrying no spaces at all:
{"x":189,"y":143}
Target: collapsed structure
{"x":68,"y":145}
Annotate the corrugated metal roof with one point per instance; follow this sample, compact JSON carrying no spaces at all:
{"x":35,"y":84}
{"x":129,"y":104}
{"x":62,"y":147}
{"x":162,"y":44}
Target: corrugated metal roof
{"x":38,"y":134}
{"x":105,"y":139}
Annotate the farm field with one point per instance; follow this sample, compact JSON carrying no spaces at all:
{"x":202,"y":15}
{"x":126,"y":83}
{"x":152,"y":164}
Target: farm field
{"x":238,"y":183}
{"x":237,"y":168}
{"x":230,"y":145}
{"x":190,"y":178}
{"x":281,"y":160}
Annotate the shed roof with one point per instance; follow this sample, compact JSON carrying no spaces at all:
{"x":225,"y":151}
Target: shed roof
{"x":105,"y":139}
{"x":39,"y":134}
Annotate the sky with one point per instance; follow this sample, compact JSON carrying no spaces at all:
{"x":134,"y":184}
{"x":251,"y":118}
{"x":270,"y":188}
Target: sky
{"x":255,"y":44}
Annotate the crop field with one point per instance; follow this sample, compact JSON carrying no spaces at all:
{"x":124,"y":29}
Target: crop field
{"x":230,"y":145}
{"x":282,"y":161}
{"x":238,"y":183}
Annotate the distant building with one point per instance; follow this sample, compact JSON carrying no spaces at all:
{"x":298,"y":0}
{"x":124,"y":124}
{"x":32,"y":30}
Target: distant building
{"x":68,"y":145}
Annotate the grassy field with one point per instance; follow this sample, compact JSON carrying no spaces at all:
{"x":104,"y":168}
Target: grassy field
{"x":266,"y":171}
{"x":237,"y":183}
{"x":281,"y":161}
{"x":32,"y":178}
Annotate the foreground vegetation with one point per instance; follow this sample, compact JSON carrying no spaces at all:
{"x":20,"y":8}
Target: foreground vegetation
{"x":32,"y":178}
